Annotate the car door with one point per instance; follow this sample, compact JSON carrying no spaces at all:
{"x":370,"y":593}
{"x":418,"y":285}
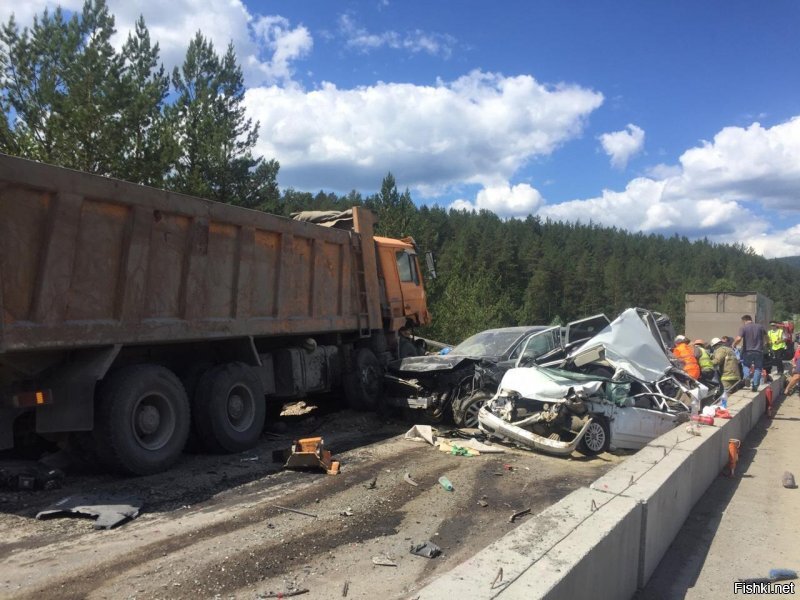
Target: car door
{"x":633,"y":427}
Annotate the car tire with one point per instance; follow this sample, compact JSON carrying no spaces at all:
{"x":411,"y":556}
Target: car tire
{"x":142,"y":419}
{"x":597,"y":438}
{"x":229,"y":408}
{"x":469,"y":408}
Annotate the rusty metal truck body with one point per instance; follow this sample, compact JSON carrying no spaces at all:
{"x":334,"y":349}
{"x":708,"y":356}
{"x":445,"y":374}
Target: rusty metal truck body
{"x":129,"y":311}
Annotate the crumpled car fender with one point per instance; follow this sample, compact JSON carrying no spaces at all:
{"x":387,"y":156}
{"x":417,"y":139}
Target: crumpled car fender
{"x":493,"y":425}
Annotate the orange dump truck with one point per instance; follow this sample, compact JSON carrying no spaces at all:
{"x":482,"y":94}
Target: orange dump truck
{"x":131,"y":315}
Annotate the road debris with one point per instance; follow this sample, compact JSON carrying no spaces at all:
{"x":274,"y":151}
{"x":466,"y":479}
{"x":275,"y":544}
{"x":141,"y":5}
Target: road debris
{"x":345,"y":589}
{"x":347,"y":512}
{"x":29,"y":475}
{"x":788,"y":480}
{"x":498,"y":579}
{"x":426,"y":550}
{"x":774,"y":575}
{"x":483,"y":503}
{"x":288,"y":594}
{"x":294,"y":510}
{"x":372,"y":484}
{"x":445,"y":482}
{"x":110,"y":510}
{"x":383,"y":561}
{"x":308,"y":453}
{"x":421,"y":433}
{"x":407,"y":478}
{"x":456,"y":450}
{"x":519,"y":514}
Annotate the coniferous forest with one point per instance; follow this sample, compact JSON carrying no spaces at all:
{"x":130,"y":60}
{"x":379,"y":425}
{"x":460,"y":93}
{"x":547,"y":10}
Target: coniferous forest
{"x":69,"y":98}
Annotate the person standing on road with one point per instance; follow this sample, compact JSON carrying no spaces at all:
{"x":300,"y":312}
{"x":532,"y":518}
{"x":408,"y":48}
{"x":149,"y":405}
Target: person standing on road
{"x":685,"y":355}
{"x":727,"y":364}
{"x":777,"y":348}
{"x":752,"y":337}
{"x":795,"y":378}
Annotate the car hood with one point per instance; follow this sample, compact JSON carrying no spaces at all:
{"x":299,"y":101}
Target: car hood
{"x":629,"y":345}
{"x":429,"y":364}
{"x":544,"y":384}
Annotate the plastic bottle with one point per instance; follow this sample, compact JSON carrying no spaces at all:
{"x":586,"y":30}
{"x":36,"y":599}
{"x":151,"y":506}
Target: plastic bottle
{"x":446,"y":483}
{"x":723,"y":399}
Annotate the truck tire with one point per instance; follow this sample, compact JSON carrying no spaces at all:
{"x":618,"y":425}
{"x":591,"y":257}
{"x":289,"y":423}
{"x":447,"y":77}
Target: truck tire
{"x":229,"y":408}
{"x":363,"y":385}
{"x":142,"y":419}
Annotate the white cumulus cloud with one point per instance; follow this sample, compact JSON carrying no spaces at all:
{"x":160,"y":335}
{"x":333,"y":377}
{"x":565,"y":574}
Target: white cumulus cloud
{"x":505,"y":200}
{"x":719,"y":191}
{"x":480,"y":128}
{"x":622,"y":145}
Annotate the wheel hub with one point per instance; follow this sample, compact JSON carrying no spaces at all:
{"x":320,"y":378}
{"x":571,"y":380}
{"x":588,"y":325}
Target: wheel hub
{"x":148,"y":419}
{"x":235,"y":407}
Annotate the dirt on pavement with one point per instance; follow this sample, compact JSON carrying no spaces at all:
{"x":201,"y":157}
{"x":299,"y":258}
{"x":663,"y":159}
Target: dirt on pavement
{"x":211,"y":527}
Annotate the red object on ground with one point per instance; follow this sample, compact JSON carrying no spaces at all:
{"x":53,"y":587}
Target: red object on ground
{"x":733,"y":455}
{"x":722,"y":413}
{"x":703,"y":419}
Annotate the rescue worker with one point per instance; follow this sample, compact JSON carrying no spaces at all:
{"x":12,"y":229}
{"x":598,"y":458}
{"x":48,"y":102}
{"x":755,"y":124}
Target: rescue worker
{"x":685,"y":355}
{"x":777,"y":348}
{"x":727,"y":364}
{"x":707,"y":372}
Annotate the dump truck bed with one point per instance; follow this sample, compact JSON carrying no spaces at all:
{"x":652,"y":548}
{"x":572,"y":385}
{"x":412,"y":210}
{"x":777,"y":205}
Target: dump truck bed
{"x":92,"y":261}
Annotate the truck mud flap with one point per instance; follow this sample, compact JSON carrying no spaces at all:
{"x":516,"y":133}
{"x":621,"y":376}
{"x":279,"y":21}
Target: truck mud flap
{"x":493,"y":425}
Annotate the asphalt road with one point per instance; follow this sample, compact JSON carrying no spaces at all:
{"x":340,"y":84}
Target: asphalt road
{"x":210,"y":528}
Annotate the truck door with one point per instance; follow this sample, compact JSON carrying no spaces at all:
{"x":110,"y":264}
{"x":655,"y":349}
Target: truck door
{"x":414,"y":302}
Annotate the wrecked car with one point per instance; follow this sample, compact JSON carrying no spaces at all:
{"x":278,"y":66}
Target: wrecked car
{"x":460,"y":382}
{"x":619,"y":389}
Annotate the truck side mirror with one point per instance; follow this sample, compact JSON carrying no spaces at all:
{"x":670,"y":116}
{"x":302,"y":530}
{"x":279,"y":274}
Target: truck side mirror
{"x":431,"y":263}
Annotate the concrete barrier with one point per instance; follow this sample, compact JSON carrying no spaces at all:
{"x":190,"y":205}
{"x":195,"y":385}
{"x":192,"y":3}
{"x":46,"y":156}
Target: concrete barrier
{"x":605,"y":541}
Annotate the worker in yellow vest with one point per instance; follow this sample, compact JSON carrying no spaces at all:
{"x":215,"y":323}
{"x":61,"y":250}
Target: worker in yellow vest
{"x":703,"y":356}
{"x":777,"y":348}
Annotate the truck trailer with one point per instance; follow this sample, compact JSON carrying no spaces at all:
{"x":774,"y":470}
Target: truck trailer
{"x":132,"y":316}
{"x":714,"y":314}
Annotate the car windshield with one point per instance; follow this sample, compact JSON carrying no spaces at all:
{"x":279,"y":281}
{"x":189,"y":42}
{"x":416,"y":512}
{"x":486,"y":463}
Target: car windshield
{"x":487,"y":343}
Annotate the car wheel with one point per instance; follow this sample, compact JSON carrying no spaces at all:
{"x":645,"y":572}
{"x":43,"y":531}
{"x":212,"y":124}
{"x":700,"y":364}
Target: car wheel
{"x":597,"y":438}
{"x":471,"y":407}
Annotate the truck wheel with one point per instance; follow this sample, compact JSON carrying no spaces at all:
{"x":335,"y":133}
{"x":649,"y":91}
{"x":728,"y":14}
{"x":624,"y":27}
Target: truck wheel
{"x":229,"y":408}
{"x":597,"y":438}
{"x":363,"y":385}
{"x":142,"y":419}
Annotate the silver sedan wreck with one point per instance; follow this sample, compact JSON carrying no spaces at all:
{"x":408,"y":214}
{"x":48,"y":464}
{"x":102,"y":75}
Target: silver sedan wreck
{"x":617,"y":390}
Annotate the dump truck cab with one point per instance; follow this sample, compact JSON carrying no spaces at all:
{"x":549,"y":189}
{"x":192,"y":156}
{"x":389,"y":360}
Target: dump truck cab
{"x":403,"y":298}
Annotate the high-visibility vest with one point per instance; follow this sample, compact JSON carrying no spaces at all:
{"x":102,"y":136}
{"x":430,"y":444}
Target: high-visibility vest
{"x":705,"y":360}
{"x":683,"y":352}
{"x":776,"y":339}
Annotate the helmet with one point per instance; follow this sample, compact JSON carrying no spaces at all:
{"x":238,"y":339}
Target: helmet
{"x":715,"y":341}
{"x":681,"y":338}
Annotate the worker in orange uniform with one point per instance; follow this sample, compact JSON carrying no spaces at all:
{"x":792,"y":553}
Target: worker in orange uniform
{"x":685,"y":354}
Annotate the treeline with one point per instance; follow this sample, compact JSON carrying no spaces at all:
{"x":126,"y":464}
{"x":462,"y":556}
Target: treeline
{"x":69,"y":98}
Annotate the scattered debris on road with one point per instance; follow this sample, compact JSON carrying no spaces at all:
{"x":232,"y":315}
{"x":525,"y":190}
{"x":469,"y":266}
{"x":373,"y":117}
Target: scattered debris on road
{"x":288,"y":594}
{"x":498,"y":579}
{"x":109,"y":510}
{"x":345,"y":589}
{"x":383,"y":561}
{"x":372,"y":484}
{"x":29,"y":475}
{"x":788,"y":480}
{"x":519,"y":514}
{"x":421,"y":433}
{"x":426,"y":550}
{"x":308,"y":453}
{"x":294,"y":510}
{"x":407,"y":478}
{"x":456,"y":450}
{"x":347,"y":512}
{"x":445,"y":482}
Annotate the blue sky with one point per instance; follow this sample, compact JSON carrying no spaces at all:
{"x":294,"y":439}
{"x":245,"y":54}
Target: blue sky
{"x":666,"y":117}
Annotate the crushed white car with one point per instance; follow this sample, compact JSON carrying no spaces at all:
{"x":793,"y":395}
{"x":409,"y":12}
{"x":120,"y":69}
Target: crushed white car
{"x":617,"y":390}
